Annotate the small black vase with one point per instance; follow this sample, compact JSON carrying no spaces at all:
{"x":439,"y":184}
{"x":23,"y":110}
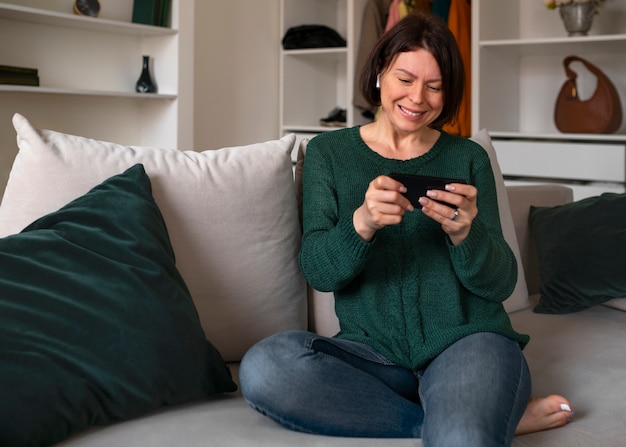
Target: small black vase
{"x":145,"y":83}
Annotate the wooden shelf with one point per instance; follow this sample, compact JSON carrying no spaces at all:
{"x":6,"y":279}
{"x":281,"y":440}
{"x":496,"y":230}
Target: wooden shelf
{"x":339,"y":52}
{"x":571,"y":137}
{"x":547,"y":46}
{"x":287,"y":128}
{"x":66,"y":91}
{"x":44,"y":17}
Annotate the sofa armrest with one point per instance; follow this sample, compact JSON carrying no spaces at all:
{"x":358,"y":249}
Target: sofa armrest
{"x":520,"y":200}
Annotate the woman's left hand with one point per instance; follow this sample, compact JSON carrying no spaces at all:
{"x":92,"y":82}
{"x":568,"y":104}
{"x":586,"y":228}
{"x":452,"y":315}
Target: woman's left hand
{"x":457,"y":217}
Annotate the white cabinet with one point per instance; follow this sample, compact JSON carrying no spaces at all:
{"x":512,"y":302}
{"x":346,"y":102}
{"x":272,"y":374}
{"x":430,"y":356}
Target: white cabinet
{"x":518,"y":47}
{"x":88,"y":68}
{"x":314,"y":81}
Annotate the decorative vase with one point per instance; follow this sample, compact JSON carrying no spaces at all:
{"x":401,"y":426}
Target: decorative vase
{"x":88,"y":8}
{"x":577,"y":17}
{"x":145,"y":83}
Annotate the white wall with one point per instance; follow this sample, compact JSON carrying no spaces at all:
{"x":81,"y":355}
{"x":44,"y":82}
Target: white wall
{"x":236,"y":72}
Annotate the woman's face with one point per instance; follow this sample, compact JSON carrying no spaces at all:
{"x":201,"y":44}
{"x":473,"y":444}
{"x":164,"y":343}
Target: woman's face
{"x":411,"y":91}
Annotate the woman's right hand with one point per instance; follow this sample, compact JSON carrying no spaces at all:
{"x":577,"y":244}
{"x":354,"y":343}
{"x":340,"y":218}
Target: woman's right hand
{"x":384,"y":205}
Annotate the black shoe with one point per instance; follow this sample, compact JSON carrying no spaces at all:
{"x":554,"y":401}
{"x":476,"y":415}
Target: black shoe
{"x":336,"y":118}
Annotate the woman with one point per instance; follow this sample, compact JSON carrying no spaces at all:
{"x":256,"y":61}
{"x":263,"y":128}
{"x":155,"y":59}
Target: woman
{"x":426,"y":349}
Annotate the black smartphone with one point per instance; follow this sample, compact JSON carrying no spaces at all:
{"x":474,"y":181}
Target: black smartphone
{"x":417,"y":185}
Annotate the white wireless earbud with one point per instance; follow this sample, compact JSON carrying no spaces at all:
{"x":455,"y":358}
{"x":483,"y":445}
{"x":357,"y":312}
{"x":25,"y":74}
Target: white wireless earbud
{"x":378,"y":81}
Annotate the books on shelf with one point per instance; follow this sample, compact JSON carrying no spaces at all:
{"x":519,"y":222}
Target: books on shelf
{"x":151,"y":12}
{"x":19,"y":75}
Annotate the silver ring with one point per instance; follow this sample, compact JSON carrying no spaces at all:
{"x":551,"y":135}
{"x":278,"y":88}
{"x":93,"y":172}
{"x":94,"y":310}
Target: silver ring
{"x":455,"y":215}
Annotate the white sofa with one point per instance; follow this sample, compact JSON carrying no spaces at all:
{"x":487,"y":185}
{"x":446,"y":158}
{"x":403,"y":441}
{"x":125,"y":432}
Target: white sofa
{"x":232,"y":217}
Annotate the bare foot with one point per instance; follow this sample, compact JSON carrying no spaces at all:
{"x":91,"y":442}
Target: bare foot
{"x":544,"y":413}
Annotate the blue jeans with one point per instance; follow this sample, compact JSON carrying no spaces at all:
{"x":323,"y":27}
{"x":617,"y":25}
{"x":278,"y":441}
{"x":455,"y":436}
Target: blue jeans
{"x":472,"y":394}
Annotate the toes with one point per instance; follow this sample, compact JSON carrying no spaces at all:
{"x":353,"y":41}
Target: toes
{"x":545,"y":413}
{"x":559,"y":404}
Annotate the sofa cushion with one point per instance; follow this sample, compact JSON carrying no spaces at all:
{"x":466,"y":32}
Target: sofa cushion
{"x":519,"y":298}
{"x":581,"y":248}
{"x":617,"y":303}
{"x":96,"y":323}
{"x":231,"y":215}
{"x":521,"y":197}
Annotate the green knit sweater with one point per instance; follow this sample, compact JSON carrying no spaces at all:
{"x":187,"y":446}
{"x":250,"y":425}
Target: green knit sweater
{"x":409,"y":292}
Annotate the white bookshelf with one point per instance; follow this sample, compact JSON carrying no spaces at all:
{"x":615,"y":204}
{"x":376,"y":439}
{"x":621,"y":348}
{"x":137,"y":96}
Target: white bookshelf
{"x":88,"y":68}
{"x":314,"y":81}
{"x":518,"y":47}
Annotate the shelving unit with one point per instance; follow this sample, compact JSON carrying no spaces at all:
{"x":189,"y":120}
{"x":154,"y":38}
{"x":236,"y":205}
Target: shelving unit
{"x":314,"y":81}
{"x":33,"y":16}
{"x":518,"y":47}
{"x":88,"y":68}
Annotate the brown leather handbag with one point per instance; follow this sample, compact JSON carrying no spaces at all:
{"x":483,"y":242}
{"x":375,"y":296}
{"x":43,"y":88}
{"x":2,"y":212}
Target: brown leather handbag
{"x":602,"y":113}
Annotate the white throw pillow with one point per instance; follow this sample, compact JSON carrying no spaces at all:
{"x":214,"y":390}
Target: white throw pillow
{"x":519,"y":298}
{"x":231,"y":215}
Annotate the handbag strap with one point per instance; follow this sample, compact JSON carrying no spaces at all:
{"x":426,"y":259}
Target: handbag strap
{"x":572,"y":75}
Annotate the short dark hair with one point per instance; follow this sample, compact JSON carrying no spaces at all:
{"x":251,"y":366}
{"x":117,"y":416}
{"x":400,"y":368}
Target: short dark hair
{"x":426,"y":31}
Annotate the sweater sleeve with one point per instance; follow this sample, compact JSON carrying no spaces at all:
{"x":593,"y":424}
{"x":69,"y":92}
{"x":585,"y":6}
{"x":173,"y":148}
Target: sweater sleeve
{"x":484,"y":262}
{"x":332,"y":253}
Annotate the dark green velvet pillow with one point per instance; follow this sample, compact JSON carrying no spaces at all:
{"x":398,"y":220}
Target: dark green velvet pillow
{"x":581,"y":248}
{"x":96,"y":323}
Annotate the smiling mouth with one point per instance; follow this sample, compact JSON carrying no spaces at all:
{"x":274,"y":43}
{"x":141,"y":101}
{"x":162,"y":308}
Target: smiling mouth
{"x":410,"y":112}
